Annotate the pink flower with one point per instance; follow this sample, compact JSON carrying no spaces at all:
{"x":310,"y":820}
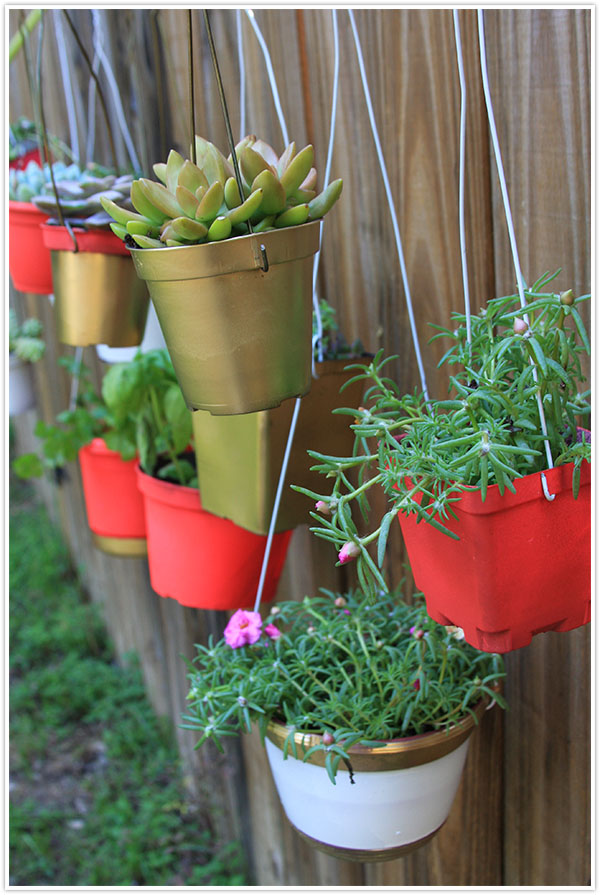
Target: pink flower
{"x":242,"y":628}
{"x":417,"y":684}
{"x":322,"y":507}
{"x":417,"y":633}
{"x":272,"y":631}
{"x":349,"y":551}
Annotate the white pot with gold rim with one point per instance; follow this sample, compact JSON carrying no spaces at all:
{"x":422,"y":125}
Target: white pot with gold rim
{"x":401,"y":795}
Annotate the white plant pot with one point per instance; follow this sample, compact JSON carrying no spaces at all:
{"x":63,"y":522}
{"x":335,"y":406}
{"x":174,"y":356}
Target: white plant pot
{"x":398,"y":801}
{"x":21,"y":396}
{"x":153,"y":338}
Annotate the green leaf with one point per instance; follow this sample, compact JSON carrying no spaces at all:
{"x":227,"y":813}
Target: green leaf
{"x":179,"y":418}
{"x":580,"y":328}
{"x":28,"y":466}
{"x":383,"y":535}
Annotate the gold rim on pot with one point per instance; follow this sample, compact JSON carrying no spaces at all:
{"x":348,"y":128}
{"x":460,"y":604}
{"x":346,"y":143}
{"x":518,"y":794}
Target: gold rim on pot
{"x":406,"y":752}
{"x":240,"y":337}
{"x":132,"y":547}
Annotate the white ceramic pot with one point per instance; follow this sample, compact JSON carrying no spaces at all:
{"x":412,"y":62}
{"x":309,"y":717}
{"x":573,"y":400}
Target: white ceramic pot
{"x":401,"y":795}
{"x":153,"y":338}
{"x":21,"y":396}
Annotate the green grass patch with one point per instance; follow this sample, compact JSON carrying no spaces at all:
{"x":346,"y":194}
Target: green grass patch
{"x":97,"y":797}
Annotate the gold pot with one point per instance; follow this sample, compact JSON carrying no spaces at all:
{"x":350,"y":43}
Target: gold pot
{"x":98,"y":297}
{"x":239,"y":336}
{"x":239,"y":457}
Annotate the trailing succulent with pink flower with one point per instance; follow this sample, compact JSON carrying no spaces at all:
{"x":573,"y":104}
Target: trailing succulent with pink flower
{"x":354,"y":667}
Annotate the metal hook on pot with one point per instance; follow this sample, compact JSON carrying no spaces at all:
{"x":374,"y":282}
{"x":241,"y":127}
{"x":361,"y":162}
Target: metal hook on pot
{"x":265,"y":260}
{"x":547,"y":494}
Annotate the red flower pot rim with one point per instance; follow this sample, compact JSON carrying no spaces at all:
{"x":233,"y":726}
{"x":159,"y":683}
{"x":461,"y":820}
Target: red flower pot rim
{"x":168,"y":492}
{"x":103,"y":242}
{"x":26,"y":208}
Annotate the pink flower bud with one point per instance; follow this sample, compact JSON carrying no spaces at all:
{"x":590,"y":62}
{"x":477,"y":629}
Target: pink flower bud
{"x":272,"y":631}
{"x":417,"y":684}
{"x":340,"y":602}
{"x":349,"y":551}
{"x":328,"y":738}
{"x":519,"y":326}
{"x":322,"y":506}
{"x":417,"y":633}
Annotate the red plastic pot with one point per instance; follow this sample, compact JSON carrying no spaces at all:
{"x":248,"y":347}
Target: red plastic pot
{"x":113,"y":502}
{"x":199,"y":559}
{"x":522,"y":565}
{"x":104,"y":242}
{"x":28,"y":257}
{"x":20,"y":163}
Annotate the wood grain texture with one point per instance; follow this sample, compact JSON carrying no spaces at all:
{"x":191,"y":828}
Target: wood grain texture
{"x":539,"y":79}
{"x":522,"y":813}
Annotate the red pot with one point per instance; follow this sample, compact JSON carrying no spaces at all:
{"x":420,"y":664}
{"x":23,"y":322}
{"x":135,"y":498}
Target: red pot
{"x":28,"y":257}
{"x":522,"y":565}
{"x":113,"y":503}
{"x":20,"y":163}
{"x":104,"y":242}
{"x":199,"y":559}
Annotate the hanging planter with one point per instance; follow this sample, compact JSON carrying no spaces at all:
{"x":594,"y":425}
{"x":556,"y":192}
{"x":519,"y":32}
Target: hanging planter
{"x":199,"y":559}
{"x":521,"y":566}
{"x":239,"y":457}
{"x":21,"y":396}
{"x":153,"y":339}
{"x":113,"y":503}
{"x":395,"y":800}
{"x":379,"y":703}
{"x":239,"y":336}
{"x":28,"y":256}
{"x":234,"y":304}
{"x":98,"y":298}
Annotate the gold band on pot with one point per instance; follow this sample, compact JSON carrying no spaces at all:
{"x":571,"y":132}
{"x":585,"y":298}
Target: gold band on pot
{"x":393,"y":755}
{"x":98,"y":299}
{"x":366,"y":856}
{"x":132,"y":547}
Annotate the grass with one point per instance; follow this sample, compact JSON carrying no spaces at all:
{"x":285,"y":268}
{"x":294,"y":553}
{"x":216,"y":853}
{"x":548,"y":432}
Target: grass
{"x":96,"y":797}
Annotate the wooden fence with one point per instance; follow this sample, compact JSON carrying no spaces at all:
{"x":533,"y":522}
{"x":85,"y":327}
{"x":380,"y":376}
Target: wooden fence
{"x":522,"y":814}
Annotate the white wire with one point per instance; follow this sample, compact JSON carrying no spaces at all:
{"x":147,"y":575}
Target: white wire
{"x":508,"y":215}
{"x":318,"y":336}
{"x":242,"y":64}
{"x":68,"y":85}
{"x":282,"y":474}
{"x":91,"y":138}
{"x":388,"y":191}
{"x":461,"y":174}
{"x":271,"y":74}
{"x":98,"y":47}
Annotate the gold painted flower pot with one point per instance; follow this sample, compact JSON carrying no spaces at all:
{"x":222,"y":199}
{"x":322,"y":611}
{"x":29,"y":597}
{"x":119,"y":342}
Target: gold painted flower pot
{"x":400,"y":798}
{"x":239,"y":336}
{"x":98,"y":297}
{"x":239,"y":457}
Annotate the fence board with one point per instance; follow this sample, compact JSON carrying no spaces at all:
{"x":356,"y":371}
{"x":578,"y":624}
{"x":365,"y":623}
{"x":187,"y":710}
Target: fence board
{"x":521,"y":816}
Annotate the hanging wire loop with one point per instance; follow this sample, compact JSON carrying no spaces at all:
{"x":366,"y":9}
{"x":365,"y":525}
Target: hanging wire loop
{"x":234,"y":159}
{"x":545,"y":489}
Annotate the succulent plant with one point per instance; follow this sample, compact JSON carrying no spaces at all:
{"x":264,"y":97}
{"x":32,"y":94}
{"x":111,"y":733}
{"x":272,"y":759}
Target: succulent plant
{"x":24,"y":339}
{"x":79,"y":191}
{"x":201,"y":202}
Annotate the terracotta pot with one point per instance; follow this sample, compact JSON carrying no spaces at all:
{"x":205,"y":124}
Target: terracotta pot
{"x":28,"y":257}
{"x":199,"y":559}
{"x":98,"y":297}
{"x":401,"y":795}
{"x":239,"y":457}
{"x":113,"y":503}
{"x":521,"y":566}
{"x":239,"y":337}
{"x":21,"y":396}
